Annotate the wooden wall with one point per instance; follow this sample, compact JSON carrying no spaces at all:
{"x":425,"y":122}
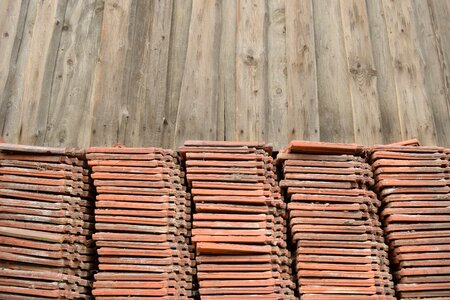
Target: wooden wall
{"x":94,"y":72}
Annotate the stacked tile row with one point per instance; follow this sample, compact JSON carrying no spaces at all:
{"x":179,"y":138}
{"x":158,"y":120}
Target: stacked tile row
{"x":239,"y":229}
{"x":142,"y":224}
{"x":339,"y":247}
{"x":413,"y":185}
{"x":46,"y":223}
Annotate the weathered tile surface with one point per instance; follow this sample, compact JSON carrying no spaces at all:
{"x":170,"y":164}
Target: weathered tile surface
{"x":46,"y":223}
{"x":339,"y":245}
{"x":413,"y":184}
{"x":143,"y":224}
{"x":239,"y":222}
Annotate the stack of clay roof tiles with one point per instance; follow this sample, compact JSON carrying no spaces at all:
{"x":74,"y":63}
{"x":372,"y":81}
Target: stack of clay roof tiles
{"x":142,"y":223}
{"x":239,"y":227}
{"x":46,"y":223}
{"x":339,"y":246}
{"x":413,"y":185}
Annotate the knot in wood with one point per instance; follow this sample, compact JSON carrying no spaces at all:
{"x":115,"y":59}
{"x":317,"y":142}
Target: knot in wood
{"x":250,"y":60}
{"x":365,"y":71}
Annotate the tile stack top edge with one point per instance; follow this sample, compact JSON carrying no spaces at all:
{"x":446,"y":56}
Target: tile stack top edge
{"x":5,"y":147}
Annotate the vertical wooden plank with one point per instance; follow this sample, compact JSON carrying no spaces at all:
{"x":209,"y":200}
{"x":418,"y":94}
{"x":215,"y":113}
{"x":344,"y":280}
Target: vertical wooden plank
{"x":181,"y":16}
{"x":363,"y":80}
{"x":414,"y":106}
{"x":38,"y":81}
{"x":390,"y":123}
{"x":73,"y":75}
{"x":16,"y":37}
{"x":439,"y":13}
{"x":146,"y":85}
{"x":432,"y":70}
{"x":197,"y":111}
{"x":276,"y":74}
{"x":158,"y":60}
{"x":108,"y":109}
{"x":227,"y":70}
{"x":303,"y":105}
{"x":9,"y":21}
{"x":133,"y":86}
{"x":251,"y":71}
{"x":335,"y":105}
{"x":220,"y":108}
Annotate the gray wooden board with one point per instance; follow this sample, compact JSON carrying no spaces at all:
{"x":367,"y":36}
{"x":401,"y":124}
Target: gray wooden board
{"x":141,"y":73}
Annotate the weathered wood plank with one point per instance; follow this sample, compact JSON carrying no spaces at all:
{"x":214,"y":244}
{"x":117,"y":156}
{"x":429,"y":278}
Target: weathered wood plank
{"x":303,"y":105}
{"x":15,"y":42}
{"x":227,"y":70}
{"x":432,"y":70}
{"x":181,"y":16}
{"x":133,"y":86}
{"x":197,"y":111}
{"x":159,"y":72}
{"x":147,"y":61}
{"x":74,"y":74}
{"x":277,"y":74}
{"x":9,"y":18}
{"x":363,"y":80}
{"x":251,"y":71}
{"x":416,"y":117}
{"x":440,"y":14}
{"x":387,"y":96}
{"x":108,"y":99}
{"x":220,"y":111}
{"x":335,"y":107}
{"x":158,"y":60}
{"x":38,"y":80}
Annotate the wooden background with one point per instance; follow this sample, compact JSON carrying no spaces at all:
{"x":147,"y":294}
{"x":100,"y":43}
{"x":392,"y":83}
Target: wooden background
{"x":93,"y":72}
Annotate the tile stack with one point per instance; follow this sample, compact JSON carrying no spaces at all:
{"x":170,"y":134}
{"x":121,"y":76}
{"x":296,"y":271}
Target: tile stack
{"x":46,"y":223}
{"x":239,"y":227}
{"x":339,"y":246}
{"x":413,"y":185}
{"x":142,"y":219}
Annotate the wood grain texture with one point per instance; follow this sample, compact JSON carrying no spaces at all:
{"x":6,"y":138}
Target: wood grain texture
{"x":227,"y":70}
{"x":158,"y":72}
{"x":276,"y":74}
{"x":335,"y":104}
{"x":39,"y":68}
{"x":416,"y":117}
{"x":9,"y":19}
{"x":439,"y":16}
{"x":13,"y":65}
{"x":387,"y":97}
{"x":433,"y":70}
{"x":179,"y":36}
{"x":360,"y":64}
{"x":303,"y":106}
{"x":73,"y":75}
{"x":146,"y":75}
{"x":200,"y":76}
{"x":251,"y":71}
{"x":109,"y":98}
